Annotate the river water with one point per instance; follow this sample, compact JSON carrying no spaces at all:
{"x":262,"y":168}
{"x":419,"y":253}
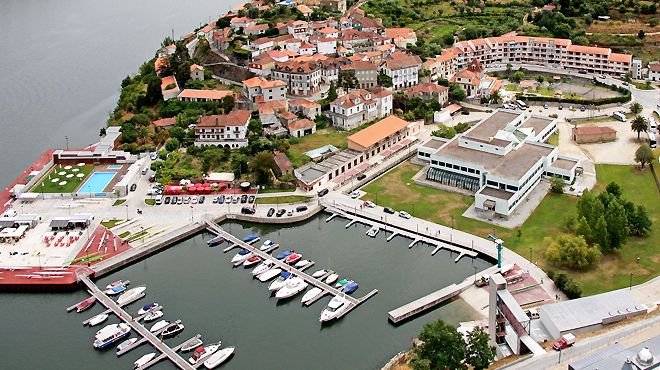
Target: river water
{"x":198,"y":285}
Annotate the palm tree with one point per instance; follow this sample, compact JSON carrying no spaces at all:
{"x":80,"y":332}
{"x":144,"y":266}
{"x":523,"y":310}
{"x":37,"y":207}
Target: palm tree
{"x":639,"y":124}
{"x":636,"y":108}
{"x":495,"y":96}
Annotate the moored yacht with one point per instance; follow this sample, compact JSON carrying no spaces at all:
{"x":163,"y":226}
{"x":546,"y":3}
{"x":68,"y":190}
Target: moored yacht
{"x":292,"y":287}
{"x":263,"y":267}
{"x":281,"y":281}
{"x":143,"y":360}
{"x":334,"y":309}
{"x":111,"y":334}
{"x":241,"y":256}
{"x":130,"y":295}
{"x":219,"y":357}
{"x":311,"y":294}
{"x":201,"y":352}
{"x":269,"y":274}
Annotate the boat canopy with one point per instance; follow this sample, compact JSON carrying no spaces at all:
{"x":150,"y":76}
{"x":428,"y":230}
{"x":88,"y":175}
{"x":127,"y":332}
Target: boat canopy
{"x":243,"y":252}
{"x":285,"y":274}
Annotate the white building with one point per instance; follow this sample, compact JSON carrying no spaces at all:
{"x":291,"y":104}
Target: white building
{"x":196,"y":72}
{"x":359,"y":107}
{"x":654,"y":71}
{"x":227,"y":130}
{"x":501,"y":159}
{"x":303,"y":78}
{"x":298,"y":29}
{"x":260,"y":90}
{"x":402,"y":68}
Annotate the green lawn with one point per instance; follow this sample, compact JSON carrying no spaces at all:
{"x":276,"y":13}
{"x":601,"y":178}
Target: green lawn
{"x":643,"y":86}
{"x":150,"y":202}
{"x":554,"y":139}
{"x":512,"y":87}
{"x":397,"y":190}
{"x":119,"y":202}
{"x":111,"y":223}
{"x":283,"y":199}
{"x":47,"y":186}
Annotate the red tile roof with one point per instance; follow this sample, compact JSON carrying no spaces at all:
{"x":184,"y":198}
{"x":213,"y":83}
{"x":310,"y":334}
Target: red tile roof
{"x":234,"y":118}
{"x":301,"y":124}
{"x":378,"y":131}
{"x":205,"y":94}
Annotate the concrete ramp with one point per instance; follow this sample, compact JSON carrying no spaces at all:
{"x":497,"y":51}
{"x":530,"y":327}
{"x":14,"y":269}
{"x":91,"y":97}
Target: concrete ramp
{"x":531,"y":344}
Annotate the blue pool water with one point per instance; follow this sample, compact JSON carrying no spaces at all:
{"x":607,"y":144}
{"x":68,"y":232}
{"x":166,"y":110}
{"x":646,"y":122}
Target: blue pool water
{"x":115,"y":167}
{"x":97,"y":182}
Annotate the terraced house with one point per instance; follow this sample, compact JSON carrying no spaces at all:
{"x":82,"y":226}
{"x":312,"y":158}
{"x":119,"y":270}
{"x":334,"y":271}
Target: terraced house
{"x":303,"y":78}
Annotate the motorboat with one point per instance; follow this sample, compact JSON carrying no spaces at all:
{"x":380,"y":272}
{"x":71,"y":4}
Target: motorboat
{"x":201,"y":352}
{"x":241,"y":256}
{"x":266,"y":245}
{"x":281,"y":281}
{"x":251,"y":238}
{"x":153,"y":315}
{"x":159,"y":325}
{"x":115,"y":290}
{"x":350,"y":287}
{"x":342,"y":282}
{"x":172,"y":330}
{"x":373,"y":231}
{"x":117,"y":283}
{"x":331,"y":278}
{"x":192,"y":344}
{"x":130,"y":295}
{"x":111,"y":334}
{"x":143,"y":360}
{"x":334,"y":309}
{"x":293,"y":258}
{"x":311,"y":294}
{"x":215,"y":241}
{"x":283,"y":255}
{"x":148,"y":308}
{"x":87,"y":303}
{"x":269,"y":274}
{"x":292,"y":287}
{"x":125,"y":344}
{"x":98,"y":319}
{"x":219,"y":357}
{"x":263,"y":267}
{"x":302,"y":263}
{"x":317,"y":274}
{"x":252,"y":261}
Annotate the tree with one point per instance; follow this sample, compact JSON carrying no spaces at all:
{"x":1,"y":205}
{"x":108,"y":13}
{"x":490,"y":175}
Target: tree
{"x":347,"y":79}
{"x":255,"y":127}
{"x":171,"y":144}
{"x":456,"y":92}
{"x":600,"y":234}
{"x":557,"y":185}
{"x":614,"y":189}
{"x":444,"y":132}
{"x":572,"y":251}
{"x":479,"y":352}
{"x":584,"y":230}
{"x":639,"y":222}
{"x":517,"y":76}
{"x":644,"y":155}
{"x":639,"y":124}
{"x":332,"y":92}
{"x":102,"y":131}
{"x":617,"y":224}
{"x":384,"y":80}
{"x":443,"y":347}
{"x":261,"y":166}
{"x":641,"y":34}
{"x":495,"y":97}
{"x":636,"y":108}
{"x":227,"y":104}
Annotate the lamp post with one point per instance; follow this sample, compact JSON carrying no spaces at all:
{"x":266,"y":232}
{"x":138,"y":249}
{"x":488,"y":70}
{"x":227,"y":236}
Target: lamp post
{"x":630,"y":287}
{"x":126,"y":212}
{"x":66,"y":138}
{"x":192,"y":214}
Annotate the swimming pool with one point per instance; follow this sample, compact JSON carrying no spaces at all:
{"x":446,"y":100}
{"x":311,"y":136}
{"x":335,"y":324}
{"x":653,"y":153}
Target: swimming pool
{"x":97,"y":182}
{"x":115,"y":167}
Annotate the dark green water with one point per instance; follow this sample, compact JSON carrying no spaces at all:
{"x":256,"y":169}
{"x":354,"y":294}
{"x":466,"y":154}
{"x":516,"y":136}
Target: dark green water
{"x":197,"y":284}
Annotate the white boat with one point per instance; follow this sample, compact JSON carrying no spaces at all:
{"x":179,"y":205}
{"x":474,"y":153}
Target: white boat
{"x":130,"y":295}
{"x":219,"y":357}
{"x":172,"y":330}
{"x":201,"y":352}
{"x":302,"y":263}
{"x":115,"y":290}
{"x":148,"y":308}
{"x":189,"y":346}
{"x":117,"y":283}
{"x":311,"y":294}
{"x":292,"y":287}
{"x":98,"y":319}
{"x":334,"y":309}
{"x":162,"y":324}
{"x":125,"y":344}
{"x":241,"y":256}
{"x":331,"y":278}
{"x":269,"y":274}
{"x":373,"y":231}
{"x":263,"y":267}
{"x":280,"y":281}
{"x":319,"y":273}
{"x":143,"y":360}
{"x":153,"y":315}
{"x":266,"y":245}
{"x":111,"y":334}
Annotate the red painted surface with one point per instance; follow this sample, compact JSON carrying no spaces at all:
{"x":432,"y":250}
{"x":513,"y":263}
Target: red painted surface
{"x":108,"y":246}
{"x":37,"y":165}
{"x":41,"y":278}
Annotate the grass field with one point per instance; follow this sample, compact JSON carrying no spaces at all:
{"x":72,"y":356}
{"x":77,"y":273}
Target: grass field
{"x":111,"y":223}
{"x":47,"y":186}
{"x":119,"y":202}
{"x":283,"y":199}
{"x":397,"y":190}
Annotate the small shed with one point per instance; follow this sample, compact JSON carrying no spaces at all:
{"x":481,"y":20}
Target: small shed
{"x":29,"y":220}
{"x":593,"y":134}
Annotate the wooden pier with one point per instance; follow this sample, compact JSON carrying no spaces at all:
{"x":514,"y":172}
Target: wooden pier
{"x":213,"y":227}
{"x":108,"y":311}
{"x":157,"y":359}
{"x":142,"y":341}
{"x":129,"y":320}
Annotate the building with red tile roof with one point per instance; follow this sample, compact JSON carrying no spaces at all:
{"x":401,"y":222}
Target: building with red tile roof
{"x":225,"y":130}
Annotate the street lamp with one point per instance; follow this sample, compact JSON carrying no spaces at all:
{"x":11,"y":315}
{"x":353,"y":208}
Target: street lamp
{"x":126,"y":212}
{"x":67,"y":142}
{"x":192,"y":214}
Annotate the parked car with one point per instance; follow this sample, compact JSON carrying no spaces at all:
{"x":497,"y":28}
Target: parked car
{"x":271,"y":212}
{"x":201,"y":199}
{"x":290,"y":213}
{"x":361,"y":177}
{"x":583,"y":108}
{"x":167,"y":200}
{"x":248,"y":210}
{"x":545,"y":106}
{"x":301,"y":208}
{"x":465,"y":113}
{"x":251,"y":199}
{"x":154,"y":156}
{"x":323,"y":192}
{"x":221,"y":199}
{"x":235,"y":199}
{"x":355,"y":194}
{"x":152,"y":178}
{"x":215,"y":200}
{"x":133,"y":187}
{"x":404,"y":214}
{"x":186,"y":200}
{"x":388,"y":210}
{"x":159,"y":200}
{"x":370,"y":204}
{"x":244,"y":198}
{"x":561,"y":107}
{"x":194,"y":199}
{"x":280,"y":213}
{"x":179,"y":200}
{"x":532,"y":313}
{"x":565,"y":341}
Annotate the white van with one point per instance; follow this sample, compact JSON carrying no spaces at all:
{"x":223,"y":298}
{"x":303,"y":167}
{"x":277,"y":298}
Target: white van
{"x":159,"y":200}
{"x":620,"y":116}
